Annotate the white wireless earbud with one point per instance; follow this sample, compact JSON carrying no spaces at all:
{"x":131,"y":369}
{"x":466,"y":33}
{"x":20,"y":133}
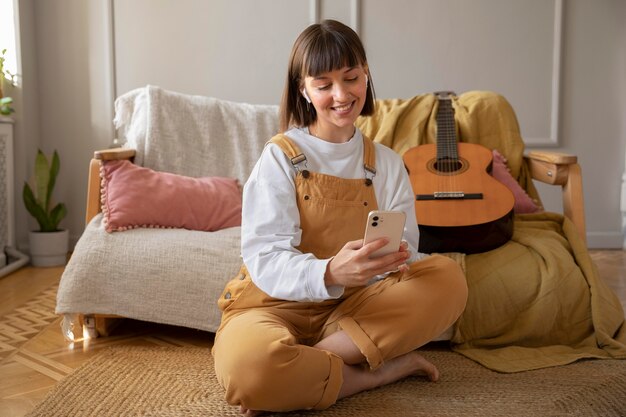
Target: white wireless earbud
{"x":306,"y":96}
{"x":366,"y":80}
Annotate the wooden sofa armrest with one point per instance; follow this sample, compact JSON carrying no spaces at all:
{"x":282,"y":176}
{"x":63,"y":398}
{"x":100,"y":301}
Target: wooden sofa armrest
{"x":93,"y":184}
{"x":564,"y":170}
{"x":100,"y":325}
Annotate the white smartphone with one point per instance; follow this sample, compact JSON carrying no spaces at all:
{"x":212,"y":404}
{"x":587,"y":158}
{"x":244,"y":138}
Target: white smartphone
{"x":389,"y":224}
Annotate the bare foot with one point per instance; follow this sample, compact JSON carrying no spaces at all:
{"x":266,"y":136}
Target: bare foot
{"x":356,"y":379}
{"x":411,"y":363}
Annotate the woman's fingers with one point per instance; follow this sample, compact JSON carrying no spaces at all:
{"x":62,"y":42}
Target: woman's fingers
{"x":373,"y":246}
{"x":387,"y":263}
{"x":354,"y":266}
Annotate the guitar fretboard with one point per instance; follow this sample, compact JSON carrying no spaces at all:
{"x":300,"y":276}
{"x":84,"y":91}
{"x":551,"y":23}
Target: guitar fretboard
{"x":447,"y":154}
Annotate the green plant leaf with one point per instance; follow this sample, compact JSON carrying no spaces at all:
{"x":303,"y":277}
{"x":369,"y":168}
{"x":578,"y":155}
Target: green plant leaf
{"x":42,"y":178}
{"x":38,"y":202}
{"x":31,"y":204}
{"x":54,"y":171}
{"x":29,"y":199}
{"x":57,"y":214}
{"x":5,"y":106}
{"x":6,"y":110}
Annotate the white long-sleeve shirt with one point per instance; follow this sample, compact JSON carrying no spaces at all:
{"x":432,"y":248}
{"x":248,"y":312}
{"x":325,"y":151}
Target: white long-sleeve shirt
{"x":271,"y":221}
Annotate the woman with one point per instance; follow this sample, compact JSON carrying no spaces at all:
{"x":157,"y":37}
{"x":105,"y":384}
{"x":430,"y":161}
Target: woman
{"x":311,"y":318}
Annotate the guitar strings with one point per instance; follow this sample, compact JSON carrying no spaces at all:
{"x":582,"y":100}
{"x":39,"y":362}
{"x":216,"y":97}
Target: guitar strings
{"x":449,"y":160}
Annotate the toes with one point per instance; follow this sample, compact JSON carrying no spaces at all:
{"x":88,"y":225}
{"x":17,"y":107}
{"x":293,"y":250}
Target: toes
{"x":431,"y":371}
{"x":427,"y":368}
{"x":433,"y":374}
{"x":246,"y":412}
{"x":249,"y":413}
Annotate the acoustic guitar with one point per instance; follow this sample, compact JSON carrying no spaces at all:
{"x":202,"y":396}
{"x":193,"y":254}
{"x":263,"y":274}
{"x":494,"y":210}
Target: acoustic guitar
{"x":459,"y":206}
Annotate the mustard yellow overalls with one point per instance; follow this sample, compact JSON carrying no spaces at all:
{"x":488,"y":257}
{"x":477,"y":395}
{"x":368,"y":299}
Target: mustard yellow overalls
{"x":263,"y":350}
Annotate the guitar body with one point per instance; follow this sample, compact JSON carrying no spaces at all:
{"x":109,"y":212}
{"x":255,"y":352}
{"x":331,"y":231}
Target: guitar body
{"x":461,"y":207}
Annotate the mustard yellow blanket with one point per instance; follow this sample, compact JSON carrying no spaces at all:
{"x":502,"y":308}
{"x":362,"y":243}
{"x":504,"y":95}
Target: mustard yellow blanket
{"x":536,"y":301}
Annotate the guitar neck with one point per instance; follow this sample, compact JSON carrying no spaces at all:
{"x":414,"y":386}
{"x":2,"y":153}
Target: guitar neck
{"x":446,"y":130}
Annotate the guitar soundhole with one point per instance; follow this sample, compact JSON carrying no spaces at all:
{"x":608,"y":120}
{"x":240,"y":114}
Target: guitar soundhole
{"x":448,"y":166}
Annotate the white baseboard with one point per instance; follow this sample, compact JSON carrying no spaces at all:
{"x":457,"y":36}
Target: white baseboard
{"x":605,"y":240}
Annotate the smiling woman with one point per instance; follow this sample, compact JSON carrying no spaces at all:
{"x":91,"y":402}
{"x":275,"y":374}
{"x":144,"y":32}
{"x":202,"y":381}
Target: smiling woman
{"x":308,"y":316}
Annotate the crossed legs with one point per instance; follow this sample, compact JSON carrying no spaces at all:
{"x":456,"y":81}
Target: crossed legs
{"x":367,"y":343}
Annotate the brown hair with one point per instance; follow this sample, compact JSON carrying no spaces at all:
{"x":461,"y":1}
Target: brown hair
{"x":320,"y":48}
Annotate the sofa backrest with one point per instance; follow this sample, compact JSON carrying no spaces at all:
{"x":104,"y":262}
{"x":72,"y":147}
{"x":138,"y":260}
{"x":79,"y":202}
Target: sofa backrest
{"x":194,"y":135}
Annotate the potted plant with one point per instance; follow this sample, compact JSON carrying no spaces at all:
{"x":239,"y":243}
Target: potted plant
{"x":6,"y":79}
{"x":49,"y":244}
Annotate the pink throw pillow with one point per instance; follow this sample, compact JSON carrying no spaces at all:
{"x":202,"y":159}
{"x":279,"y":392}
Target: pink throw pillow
{"x":500,"y":171}
{"x":133,"y":196}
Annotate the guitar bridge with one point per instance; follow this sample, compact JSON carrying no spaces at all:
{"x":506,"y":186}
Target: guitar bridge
{"x":449,"y":195}
{"x":456,"y":195}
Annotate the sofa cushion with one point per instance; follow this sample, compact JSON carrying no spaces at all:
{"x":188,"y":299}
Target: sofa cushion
{"x":134,"y":196}
{"x":170,"y":276}
{"x":501,"y":172}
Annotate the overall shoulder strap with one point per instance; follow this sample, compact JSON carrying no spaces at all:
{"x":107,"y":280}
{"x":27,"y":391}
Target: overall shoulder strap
{"x":292,"y":151}
{"x":369,"y":160}
{"x":287,"y":145}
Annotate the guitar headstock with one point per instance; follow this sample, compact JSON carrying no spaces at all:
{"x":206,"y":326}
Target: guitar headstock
{"x":444,"y":95}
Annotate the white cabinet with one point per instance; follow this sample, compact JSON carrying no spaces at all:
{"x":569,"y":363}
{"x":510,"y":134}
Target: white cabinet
{"x":7,"y":194}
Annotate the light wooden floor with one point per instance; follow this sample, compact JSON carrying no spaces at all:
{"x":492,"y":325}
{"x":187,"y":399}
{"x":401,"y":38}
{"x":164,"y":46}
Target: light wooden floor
{"x":34,"y":356}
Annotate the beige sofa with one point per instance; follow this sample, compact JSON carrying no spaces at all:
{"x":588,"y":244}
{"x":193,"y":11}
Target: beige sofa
{"x":171,"y":276}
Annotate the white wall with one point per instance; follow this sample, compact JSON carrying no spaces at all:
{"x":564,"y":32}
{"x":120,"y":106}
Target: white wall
{"x":423,"y":46}
{"x":593,"y":109}
{"x":238,"y":49}
{"x":65,"y":101}
{"x":207,"y":47}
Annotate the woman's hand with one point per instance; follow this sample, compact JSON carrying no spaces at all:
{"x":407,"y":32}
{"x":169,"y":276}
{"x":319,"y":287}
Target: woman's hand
{"x":353,"y":267}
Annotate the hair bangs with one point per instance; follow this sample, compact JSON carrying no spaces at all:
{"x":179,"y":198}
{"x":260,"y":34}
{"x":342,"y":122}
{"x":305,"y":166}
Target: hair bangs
{"x":330,"y":53}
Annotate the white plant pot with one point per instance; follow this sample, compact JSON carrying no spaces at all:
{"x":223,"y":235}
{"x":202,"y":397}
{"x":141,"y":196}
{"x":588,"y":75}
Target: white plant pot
{"x":49,"y":248}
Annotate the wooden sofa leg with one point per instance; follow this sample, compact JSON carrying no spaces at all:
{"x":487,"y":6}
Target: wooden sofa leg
{"x":94,"y":326}
{"x":89,"y":327}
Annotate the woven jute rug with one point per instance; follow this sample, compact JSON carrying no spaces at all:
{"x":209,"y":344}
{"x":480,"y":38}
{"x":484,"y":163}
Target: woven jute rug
{"x":171,"y":381}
